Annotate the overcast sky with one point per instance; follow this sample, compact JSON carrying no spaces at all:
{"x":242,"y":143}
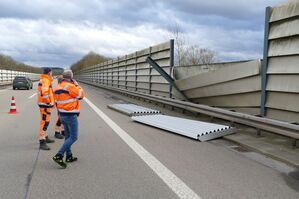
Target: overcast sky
{"x":59,"y":32}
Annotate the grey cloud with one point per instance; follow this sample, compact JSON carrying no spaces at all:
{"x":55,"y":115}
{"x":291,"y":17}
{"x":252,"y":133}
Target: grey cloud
{"x":239,"y":13}
{"x":60,"y":32}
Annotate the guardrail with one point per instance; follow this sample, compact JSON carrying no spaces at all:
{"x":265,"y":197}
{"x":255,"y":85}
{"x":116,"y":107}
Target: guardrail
{"x":260,"y":123}
{"x":7,"y":76}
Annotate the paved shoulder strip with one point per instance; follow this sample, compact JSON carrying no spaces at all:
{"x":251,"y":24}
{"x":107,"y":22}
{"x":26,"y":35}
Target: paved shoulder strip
{"x":175,"y":183}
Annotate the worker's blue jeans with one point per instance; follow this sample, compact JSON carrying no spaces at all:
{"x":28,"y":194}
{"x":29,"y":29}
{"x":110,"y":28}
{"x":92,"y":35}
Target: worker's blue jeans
{"x":70,"y":123}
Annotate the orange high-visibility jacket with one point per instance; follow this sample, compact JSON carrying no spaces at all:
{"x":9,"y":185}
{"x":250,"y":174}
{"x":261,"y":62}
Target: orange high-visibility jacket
{"x":45,"y":93}
{"x":67,"y":97}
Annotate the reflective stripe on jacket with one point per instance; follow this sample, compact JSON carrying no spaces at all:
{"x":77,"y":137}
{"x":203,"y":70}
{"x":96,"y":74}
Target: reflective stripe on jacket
{"x":45,"y":95}
{"x":67,"y":97}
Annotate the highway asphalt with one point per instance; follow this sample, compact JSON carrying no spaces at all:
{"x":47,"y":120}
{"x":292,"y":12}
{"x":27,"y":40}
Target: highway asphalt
{"x":119,"y":158}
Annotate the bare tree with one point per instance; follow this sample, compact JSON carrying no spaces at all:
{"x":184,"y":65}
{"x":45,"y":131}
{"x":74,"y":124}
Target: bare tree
{"x":196,"y":55}
{"x":189,"y":55}
{"x":180,"y":44}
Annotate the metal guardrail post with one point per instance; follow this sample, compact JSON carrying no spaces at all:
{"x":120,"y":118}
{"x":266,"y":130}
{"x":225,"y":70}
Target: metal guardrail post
{"x":118,"y":72}
{"x":150,"y":73}
{"x":136,"y":71}
{"x":265,"y":63}
{"x":126,"y":72}
{"x":171,"y":64}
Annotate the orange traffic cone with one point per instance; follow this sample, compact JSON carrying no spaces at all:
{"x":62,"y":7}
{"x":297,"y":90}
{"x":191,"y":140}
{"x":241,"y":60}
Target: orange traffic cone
{"x":13,"y":107}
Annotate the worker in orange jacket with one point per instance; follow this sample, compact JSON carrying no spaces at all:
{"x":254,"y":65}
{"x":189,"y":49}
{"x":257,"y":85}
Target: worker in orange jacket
{"x":58,"y":128}
{"x":45,"y":100}
{"x":67,"y":98}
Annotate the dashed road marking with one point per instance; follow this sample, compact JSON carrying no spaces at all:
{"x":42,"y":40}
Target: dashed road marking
{"x":173,"y":182}
{"x":32,"y":96}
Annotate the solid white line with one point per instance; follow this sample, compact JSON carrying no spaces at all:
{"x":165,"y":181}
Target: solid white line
{"x":32,"y":96}
{"x":175,"y":184}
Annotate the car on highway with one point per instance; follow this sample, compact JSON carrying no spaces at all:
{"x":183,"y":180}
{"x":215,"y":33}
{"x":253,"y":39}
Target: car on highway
{"x":22,"y":82}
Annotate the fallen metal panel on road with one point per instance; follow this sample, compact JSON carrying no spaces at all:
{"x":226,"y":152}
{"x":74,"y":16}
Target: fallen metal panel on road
{"x":132,"y":109}
{"x":198,"y":130}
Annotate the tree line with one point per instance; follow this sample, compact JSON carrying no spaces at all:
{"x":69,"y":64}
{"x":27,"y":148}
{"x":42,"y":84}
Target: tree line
{"x":8,"y":63}
{"x":90,"y":59}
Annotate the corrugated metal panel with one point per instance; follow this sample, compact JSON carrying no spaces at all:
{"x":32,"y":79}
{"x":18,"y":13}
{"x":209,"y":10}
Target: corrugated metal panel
{"x":131,"y":71}
{"x":225,"y":74}
{"x":160,"y":47}
{"x":132,"y":109}
{"x":183,"y":72}
{"x":160,"y":87}
{"x":284,"y":11}
{"x":160,"y":93}
{"x":283,"y":83}
{"x":283,"y":101}
{"x":285,"y":29}
{"x":202,"y":131}
{"x":251,"y":111}
{"x":285,"y":46}
{"x":282,"y":115}
{"x":245,"y":85}
{"x":283,"y":80}
{"x":237,"y":100}
{"x":287,"y":64}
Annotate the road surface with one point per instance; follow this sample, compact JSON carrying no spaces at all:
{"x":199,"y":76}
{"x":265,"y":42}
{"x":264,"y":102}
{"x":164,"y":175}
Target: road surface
{"x":119,"y":158}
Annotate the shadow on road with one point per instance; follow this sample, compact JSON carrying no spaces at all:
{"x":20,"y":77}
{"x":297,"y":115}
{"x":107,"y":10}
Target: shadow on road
{"x":292,"y":180}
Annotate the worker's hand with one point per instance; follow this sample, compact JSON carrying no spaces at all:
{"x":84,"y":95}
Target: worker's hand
{"x":75,"y":82}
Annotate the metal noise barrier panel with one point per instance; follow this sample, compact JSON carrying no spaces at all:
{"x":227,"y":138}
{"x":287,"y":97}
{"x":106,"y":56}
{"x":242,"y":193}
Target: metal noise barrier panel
{"x":198,"y":130}
{"x":132,"y":109}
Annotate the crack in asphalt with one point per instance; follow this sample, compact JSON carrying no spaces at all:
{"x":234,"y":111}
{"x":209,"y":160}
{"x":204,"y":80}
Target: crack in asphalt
{"x":30,"y":176}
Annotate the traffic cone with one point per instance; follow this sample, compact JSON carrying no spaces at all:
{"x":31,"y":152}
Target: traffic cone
{"x":13,"y":107}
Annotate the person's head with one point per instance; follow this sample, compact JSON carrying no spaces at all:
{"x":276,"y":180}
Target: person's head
{"x":67,"y":74}
{"x":47,"y":71}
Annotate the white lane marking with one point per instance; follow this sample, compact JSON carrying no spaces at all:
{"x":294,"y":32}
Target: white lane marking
{"x":32,"y":96}
{"x":175,"y":184}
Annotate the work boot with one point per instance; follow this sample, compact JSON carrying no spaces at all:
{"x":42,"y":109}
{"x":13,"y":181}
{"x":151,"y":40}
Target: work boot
{"x":48,"y":140}
{"x":58,"y":135}
{"x":43,"y":145}
{"x":59,"y":160}
{"x":70,"y":158}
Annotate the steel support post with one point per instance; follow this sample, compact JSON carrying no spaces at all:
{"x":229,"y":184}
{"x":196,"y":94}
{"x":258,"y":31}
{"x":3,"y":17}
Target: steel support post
{"x":265,"y":63}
